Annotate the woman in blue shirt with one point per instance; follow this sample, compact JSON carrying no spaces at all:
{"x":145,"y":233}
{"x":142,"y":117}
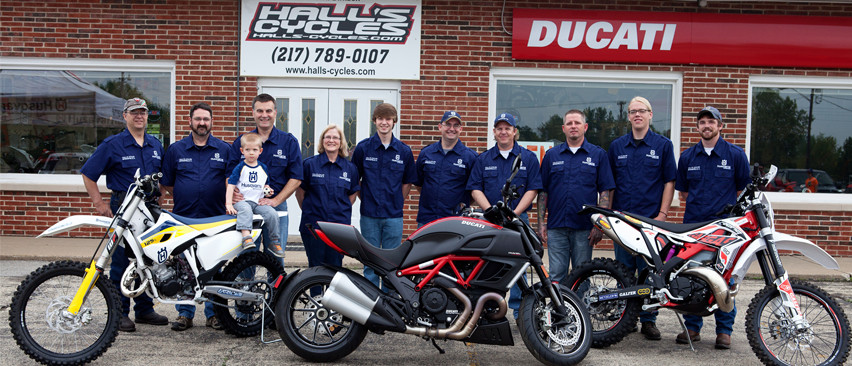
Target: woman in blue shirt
{"x":327,"y":193}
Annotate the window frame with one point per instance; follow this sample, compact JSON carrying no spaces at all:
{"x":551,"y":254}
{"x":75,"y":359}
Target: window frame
{"x":796,"y":200}
{"x":72,"y":182}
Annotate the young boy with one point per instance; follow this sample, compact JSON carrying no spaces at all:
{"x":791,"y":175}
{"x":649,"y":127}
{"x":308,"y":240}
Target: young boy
{"x":250,"y":177}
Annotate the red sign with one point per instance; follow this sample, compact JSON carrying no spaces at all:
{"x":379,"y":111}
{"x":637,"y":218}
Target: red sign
{"x":682,"y":38}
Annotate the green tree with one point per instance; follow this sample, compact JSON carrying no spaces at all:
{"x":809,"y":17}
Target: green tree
{"x":778,"y":130}
{"x":603,"y":126}
{"x":552,"y":130}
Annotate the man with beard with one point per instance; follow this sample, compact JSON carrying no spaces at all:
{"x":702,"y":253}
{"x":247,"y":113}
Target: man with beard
{"x":710,"y":175}
{"x":194,"y":173}
{"x":643,"y":165}
{"x":573,"y":174}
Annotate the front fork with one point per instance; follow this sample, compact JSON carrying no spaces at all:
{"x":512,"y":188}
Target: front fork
{"x":96,"y":268}
{"x":773,"y":270}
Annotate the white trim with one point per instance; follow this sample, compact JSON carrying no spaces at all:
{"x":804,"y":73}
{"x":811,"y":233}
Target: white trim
{"x":72,"y":182}
{"x":792,"y":200}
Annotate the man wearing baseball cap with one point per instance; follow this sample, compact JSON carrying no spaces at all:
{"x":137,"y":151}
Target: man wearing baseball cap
{"x":491,"y":170}
{"x":710,"y":175}
{"x":118,"y":157}
{"x":442,"y":172}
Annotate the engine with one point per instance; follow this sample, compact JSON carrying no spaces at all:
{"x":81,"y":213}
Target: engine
{"x":174,"y":279}
{"x":694,"y":291}
{"x":438,"y":308}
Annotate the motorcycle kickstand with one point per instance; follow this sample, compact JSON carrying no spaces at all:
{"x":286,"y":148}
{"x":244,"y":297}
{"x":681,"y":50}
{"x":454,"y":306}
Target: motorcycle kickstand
{"x":263,"y":326}
{"x":683,"y":326}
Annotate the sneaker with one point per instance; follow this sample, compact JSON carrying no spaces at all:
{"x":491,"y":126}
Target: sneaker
{"x":182,"y":323}
{"x":126,"y":325}
{"x":723,"y":341}
{"x":248,"y":243}
{"x":681,"y":338}
{"x":152,"y":318}
{"x":649,"y":329}
{"x":213,"y":322}
{"x":277,"y":249}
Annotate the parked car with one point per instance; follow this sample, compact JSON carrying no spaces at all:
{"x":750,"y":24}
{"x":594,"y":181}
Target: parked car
{"x":793,"y":180}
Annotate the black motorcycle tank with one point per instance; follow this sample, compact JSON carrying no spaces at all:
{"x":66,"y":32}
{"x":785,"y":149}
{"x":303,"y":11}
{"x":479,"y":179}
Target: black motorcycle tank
{"x":463,"y":236}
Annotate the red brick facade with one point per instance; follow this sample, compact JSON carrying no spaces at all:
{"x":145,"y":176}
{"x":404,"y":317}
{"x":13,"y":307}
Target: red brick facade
{"x":461,"y":42}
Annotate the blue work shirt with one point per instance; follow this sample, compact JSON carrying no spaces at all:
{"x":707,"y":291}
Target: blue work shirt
{"x":491,"y":170}
{"x":641,"y":171}
{"x":383,"y":172}
{"x":442,"y":179}
{"x":327,"y":189}
{"x":572,"y":180}
{"x":281,"y":155}
{"x":198,"y":175}
{"x":119,"y":156}
{"x":711,"y":181}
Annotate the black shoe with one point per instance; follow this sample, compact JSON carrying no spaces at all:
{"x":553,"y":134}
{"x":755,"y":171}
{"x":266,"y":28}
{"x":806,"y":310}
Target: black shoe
{"x":634,"y":329}
{"x":152,"y":318}
{"x":182,"y":323}
{"x":126,"y":325}
{"x":649,"y":329}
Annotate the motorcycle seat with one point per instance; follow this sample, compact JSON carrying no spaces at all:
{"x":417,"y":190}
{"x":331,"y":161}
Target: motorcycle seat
{"x":668,"y":226}
{"x":348,"y":238}
{"x":189,"y":221}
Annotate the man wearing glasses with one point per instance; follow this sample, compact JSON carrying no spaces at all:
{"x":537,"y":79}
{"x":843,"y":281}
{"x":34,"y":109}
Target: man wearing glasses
{"x":442,"y":172}
{"x":119,"y":156}
{"x":643,"y":165}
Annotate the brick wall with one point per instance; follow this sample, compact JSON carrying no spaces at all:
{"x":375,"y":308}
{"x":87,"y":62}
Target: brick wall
{"x":461,"y":42}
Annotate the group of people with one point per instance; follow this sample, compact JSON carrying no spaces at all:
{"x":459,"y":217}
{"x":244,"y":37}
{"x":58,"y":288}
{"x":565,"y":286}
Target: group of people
{"x":638,"y":174}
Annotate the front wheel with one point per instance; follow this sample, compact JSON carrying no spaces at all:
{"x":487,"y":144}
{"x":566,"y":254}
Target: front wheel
{"x":252,"y":271}
{"x":552,"y":340}
{"x":308,"y":328}
{"x":612,"y":320}
{"x":47,"y":332}
{"x":778,"y":340}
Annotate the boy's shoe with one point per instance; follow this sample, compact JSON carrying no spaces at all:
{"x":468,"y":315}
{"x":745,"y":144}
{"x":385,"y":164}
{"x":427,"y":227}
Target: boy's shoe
{"x":182,"y":323}
{"x":248,"y":243}
{"x":277,"y":249}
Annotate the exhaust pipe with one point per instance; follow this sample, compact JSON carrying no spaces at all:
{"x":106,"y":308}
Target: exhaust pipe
{"x":362,"y":303}
{"x":724,"y":296}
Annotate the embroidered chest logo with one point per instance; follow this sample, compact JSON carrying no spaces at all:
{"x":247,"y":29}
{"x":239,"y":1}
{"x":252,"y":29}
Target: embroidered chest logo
{"x":724,"y":165}
{"x":185,"y":160}
{"x":589,"y":161}
{"x":280,"y":155}
{"x":345,"y":177}
{"x":371,"y":158}
{"x":396,"y":159}
{"x":460,"y":164}
{"x":216,"y":157}
{"x":652,"y":154}
{"x":156,"y":155}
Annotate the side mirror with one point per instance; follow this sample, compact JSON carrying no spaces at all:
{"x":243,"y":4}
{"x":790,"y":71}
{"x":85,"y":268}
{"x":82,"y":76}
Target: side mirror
{"x":770,"y":175}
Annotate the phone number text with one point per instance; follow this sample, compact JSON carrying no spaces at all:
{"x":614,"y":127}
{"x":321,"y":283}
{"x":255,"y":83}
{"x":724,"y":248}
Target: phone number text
{"x":304,"y":54}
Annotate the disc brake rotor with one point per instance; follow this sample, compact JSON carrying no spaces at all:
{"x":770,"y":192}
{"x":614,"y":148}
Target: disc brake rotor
{"x":59,"y":319}
{"x":566,"y":335}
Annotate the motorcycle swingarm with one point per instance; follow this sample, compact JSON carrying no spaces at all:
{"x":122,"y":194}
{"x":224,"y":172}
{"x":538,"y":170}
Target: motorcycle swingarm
{"x":233,"y":293}
{"x":625,"y":293}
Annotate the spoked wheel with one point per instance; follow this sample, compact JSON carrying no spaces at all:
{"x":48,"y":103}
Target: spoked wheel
{"x":823,"y":339}
{"x":309,"y":329}
{"x":254,"y":272}
{"x":612,"y":320}
{"x":551,"y":339}
{"x":47,"y":332}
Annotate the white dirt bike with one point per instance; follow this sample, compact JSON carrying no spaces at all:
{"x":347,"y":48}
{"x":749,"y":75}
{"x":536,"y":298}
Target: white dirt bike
{"x":68,"y":312}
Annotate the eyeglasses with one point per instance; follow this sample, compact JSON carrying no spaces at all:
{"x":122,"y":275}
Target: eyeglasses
{"x":202,"y":119}
{"x":638,"y":111}
{"x":138,"y":112}
{"x":454,"y":126}
{"x":329,"y":137}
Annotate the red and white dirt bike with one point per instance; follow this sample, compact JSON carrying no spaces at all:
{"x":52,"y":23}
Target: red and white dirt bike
{"x":690,"y":267}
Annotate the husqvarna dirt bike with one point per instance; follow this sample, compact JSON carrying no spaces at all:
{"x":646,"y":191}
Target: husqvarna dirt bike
{"x":68,"y":312}
{"x":690,"y":267}
{"x":447,"y":281}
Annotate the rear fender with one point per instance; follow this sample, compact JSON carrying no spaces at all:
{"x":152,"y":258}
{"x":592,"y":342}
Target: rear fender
{"x":784,"y":242}
{"x":281,"y":282}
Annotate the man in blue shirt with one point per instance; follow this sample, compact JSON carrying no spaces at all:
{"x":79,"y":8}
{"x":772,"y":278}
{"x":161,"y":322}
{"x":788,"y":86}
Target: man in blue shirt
{"x":710,"y":175}
{"x":491,"y":170}
{"x":442,"y":172}
{"x":386,"y":167}
{"x":643,"y":165}
{"x":194,"y":173}
{"x":573,"y":173}
{"x":119,"y":156}
{"x":283,"y":158}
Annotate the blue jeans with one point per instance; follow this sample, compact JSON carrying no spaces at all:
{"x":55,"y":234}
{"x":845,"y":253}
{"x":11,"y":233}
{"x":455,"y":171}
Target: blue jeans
{"x":318,"y":252}
{"x":144,"y":304}
{"x":383,"y":234}
{"x":634,"y":264}
{"x":564,"y":247}
{"x":189,"y":310}
{"x":283,"y":231}
{"x":724,"y":321}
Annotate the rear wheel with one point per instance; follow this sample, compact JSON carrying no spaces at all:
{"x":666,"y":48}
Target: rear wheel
{"x":309,"y":329}
{"x":778,"y":340}
{"x":612,"y":320}
{"x":552,"y":340}
{"x":252,"y":271}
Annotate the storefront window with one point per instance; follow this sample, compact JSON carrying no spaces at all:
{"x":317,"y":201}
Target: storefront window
{"x":52,"y":120}
{"x":540,"y":102}
{"x":803,"y":128}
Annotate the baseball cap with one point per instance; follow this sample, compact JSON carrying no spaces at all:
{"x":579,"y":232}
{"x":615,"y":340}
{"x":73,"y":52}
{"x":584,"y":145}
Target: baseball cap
{"x":135,"y":103}
{"x":448,"y":115}
{"x":712,"y":111}
{"x":508,"y":117}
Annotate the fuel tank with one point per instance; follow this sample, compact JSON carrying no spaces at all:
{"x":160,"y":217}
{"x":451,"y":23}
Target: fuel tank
{"x":463,"y":236}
